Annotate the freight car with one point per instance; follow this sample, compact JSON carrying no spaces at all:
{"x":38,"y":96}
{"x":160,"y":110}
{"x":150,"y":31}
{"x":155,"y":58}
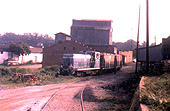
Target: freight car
{"x":90,"y":62}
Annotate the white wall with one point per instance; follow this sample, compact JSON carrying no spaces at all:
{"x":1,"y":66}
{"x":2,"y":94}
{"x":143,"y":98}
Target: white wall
{"x":3,"y":56}
{"x":35,"y":57}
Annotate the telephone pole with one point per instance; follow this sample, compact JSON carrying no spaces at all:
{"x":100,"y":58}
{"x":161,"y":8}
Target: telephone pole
{"x":155,"y":39}
{"x":147,"y":37}
{"x":136,"y":70}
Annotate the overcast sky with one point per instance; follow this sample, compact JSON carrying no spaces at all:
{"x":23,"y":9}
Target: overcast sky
{"x":53,"y":16}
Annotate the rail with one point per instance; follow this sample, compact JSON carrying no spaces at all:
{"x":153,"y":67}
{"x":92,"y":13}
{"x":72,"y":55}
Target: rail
{"x":81,"y":98}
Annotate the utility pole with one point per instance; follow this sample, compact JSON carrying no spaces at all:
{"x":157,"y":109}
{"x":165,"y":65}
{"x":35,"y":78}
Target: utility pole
{"x":147,"y":37}
{"x":132,"y":39}
{"x":155,"y":39}
{"x":136,"y":70}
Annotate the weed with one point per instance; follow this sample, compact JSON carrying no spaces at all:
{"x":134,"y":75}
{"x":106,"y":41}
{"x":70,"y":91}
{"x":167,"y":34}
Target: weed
{"x":4,"y":71}
{"x":156,"y":93}
{"x":44,"y":76}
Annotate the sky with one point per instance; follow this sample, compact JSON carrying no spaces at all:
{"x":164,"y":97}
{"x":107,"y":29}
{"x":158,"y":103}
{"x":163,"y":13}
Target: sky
{"x":53,"y":16}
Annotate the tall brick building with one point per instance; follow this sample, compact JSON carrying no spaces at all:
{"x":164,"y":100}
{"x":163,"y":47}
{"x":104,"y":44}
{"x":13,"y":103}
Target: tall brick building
{"x":92,"y":32}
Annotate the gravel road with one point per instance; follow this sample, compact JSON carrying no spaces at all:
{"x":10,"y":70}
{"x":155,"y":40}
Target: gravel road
{"x":33,"y":66}
{"x":67,"y":95}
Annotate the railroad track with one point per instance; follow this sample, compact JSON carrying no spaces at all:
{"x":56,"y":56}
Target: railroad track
{"x":81,"y":99}
{"x":67,"y":86}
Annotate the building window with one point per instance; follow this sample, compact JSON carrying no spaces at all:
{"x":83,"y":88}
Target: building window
{"x":64,"y":48}
{"x":74,"y":48}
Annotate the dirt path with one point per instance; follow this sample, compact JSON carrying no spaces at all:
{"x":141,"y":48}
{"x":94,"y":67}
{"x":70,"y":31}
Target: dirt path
{"x":34,"y":66}
{"x":67,"y":96}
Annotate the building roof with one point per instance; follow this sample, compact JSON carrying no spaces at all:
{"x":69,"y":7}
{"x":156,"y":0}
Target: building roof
{"x":166,"y":38}
{"x":63,"y":34}
{"x":4,"y":47}
{"x":36,"y":50}
{"x":149,"y":46}
{"x":92,"y":20}
{"x":90,"y":27}
{"x":93,"y":23}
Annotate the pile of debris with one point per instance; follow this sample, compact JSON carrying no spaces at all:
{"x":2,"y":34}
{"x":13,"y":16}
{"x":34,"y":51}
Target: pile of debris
{"x":30,"y":78}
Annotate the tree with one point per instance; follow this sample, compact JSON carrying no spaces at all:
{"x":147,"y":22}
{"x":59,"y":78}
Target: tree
{"x":19,"y":48}
{"x":31,"y":39}
{"x":143,"y":44}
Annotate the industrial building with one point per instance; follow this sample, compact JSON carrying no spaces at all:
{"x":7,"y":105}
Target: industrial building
{"x":94,"y":35}
{"x":92,"y":32}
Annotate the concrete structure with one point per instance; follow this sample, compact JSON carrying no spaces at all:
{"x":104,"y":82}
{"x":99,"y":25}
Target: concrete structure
{"x":128,"y":55}
{"x":53,"y":55}
{"x":61,"y":37}
{"x":92,"y":32}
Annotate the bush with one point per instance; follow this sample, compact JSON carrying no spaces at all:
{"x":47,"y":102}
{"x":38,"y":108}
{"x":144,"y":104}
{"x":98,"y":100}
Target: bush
{"x":47,"y":73}
{"x":21,"y":70}
{"x":156,"y":93}
{"x":52,"y":68}
{"x":5,"y":71}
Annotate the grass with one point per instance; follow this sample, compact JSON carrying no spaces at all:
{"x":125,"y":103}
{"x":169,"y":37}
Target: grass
{"x":44,"y":76}
{"x":156,"y":93}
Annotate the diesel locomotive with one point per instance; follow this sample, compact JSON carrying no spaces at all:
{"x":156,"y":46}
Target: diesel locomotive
{"x":90,"y":62}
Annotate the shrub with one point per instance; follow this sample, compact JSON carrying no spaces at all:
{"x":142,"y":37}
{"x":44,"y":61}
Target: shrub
{"x":47,"y":73}
{"x":21,"y":70}
{"x":52,"y":68}
{"x":5,"y":71}
{"x":156,"y":92}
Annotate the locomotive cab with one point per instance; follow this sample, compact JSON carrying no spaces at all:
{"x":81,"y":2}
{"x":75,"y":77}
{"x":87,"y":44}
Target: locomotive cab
{"x":95,"y":59}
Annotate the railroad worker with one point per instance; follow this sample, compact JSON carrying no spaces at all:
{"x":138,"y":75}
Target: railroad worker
{"x":70,"y":69}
